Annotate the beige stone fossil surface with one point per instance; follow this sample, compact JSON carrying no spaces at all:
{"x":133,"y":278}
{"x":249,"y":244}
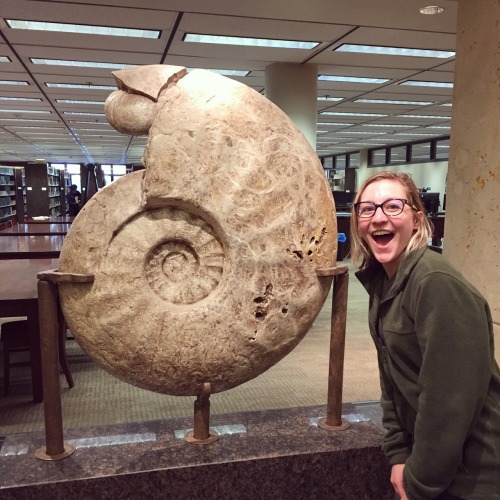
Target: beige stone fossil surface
{"x":205,"y":262}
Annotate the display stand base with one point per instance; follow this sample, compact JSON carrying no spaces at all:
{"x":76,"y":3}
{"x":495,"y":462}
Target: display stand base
{"x":41,"y":453}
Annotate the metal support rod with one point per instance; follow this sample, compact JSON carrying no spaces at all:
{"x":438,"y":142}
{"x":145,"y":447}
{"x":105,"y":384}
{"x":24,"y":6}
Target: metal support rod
{"x":201,"y":434}
{"x":47,"y":307}
{"x":202,"y":415}
{"x":333,"y":420}
{"x":337,"y":350}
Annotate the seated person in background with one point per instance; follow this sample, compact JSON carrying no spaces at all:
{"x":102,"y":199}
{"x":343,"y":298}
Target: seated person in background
{"x":74,"y":197}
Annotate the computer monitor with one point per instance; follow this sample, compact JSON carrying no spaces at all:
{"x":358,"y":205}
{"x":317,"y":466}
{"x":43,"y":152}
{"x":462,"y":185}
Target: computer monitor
{"x":343,"y":200}
{"x":431,"y":202}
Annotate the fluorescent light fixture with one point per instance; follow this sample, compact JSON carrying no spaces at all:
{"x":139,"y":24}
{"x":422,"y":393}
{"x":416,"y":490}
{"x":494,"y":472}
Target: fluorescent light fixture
{"x":419,"y":83}
{"x":351,"y":79}
{"x":80,"y":64}
{"x":74,"y":113}
{"x":34,"y":120}
{"x":70,"y":101}
{"x":335,"y":124}
{"x":413,"y":134}
{"x":224,"y":72}
{"x":12,"y":82}
{"x":394,"y":51}
{"x":444,"y":127}
{"x":425,"y":116}
{"x":80,"y":86}
{"x":431,"y":10}
{"x":326,"y":98}
{"x":90,"y":123}
{"x":5,"y":59}
{"x":384,"y":101}
{"x":386,"y":125}
{"x":338,"y":113}
{"x":443,"y":146}
{"x":253,"y":42}
{"x":12,"y":127}
{"x":446,"y":104}
{"x":29,"y":99}
{"x":24,"y":111}
{"x":349,"y":132}
{"x":82,"y":29}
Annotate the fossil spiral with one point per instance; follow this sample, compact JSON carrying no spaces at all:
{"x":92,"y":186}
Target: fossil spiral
{"x":205,"y":262}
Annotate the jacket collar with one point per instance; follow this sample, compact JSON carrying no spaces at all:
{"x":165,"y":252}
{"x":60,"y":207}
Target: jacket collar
{"x":372,"y":276}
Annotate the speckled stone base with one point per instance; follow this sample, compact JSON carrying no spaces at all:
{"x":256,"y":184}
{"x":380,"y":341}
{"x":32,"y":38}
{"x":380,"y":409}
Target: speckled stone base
{"x":278,"y":454}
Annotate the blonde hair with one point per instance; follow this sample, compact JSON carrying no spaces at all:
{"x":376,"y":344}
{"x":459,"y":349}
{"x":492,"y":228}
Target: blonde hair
{"x":360,"y":252}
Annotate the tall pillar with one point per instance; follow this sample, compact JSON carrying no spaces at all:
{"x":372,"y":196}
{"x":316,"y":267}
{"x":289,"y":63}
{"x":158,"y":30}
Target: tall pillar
{"x":472,"y":229}
{"x":293,"y":87}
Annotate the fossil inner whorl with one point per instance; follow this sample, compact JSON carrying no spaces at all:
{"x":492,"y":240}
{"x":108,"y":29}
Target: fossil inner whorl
{"x":187,"y":267}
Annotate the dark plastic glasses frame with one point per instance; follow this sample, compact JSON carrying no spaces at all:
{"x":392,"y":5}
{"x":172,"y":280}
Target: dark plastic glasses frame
{"x":381,"y":206}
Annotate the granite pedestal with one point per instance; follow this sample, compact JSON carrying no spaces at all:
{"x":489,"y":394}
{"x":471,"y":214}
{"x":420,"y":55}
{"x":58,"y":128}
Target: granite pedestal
{"x":278,"y":454}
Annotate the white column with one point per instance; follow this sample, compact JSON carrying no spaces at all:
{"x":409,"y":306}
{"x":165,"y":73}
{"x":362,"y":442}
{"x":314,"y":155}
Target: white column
{"x":472,"y":236}
{"x":293,"y":87}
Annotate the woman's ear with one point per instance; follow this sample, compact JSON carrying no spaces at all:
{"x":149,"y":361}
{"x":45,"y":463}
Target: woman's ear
{"x":419,"y":216}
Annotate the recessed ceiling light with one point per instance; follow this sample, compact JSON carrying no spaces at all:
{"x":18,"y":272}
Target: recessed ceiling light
{"x":80,"y":86}
{"x":444,"y":127}
{"x":254,"y":42}
{"x":82,"y":29}
{"x":326,"y":98}
{"x":83,"y":114}
{"x":70,"y":101}
{"x":12,"y":82}
{"x":431,"y":10}
{"x":353,"y":132}
{"x":224,"y":72}
{"x":339,"y":113}
{"x":386,"y":125}
{"x":351,"y":79}
{"x":35,"y":120}
{"x":387,"y":101}
{"x":335,"y":124}
{"x":80,"y":64}
{"x":394,"y":51}
{"x":419,"y":83}
{"x":425,"y":116}
{"x":29,"y":99}
{"x":4,"y":59}
{"x":23,"y":111}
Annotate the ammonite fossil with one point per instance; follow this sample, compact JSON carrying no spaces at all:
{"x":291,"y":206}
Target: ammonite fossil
{"x":205,"y":262}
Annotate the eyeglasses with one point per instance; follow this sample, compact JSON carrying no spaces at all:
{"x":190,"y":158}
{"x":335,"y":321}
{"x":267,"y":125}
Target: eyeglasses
{"x":391,"y":208}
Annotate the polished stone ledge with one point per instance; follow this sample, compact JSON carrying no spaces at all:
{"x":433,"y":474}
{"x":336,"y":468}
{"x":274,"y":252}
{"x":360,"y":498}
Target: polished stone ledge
{"x":267,"y":454}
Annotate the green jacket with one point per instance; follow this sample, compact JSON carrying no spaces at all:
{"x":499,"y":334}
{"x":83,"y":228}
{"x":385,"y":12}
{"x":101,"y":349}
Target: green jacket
{"x":440,"y":382}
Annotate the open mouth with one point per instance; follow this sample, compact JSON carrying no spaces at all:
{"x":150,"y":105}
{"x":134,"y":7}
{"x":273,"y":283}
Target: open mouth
{"x":382,"y":237}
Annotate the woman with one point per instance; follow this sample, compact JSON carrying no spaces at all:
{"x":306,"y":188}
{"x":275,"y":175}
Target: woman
{"x":434,"y":337}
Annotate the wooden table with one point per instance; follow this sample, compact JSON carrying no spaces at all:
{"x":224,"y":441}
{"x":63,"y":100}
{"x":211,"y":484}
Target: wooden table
{"x":36,"y":229}
{"x":19,"y":297}
{"x":31,"y":247}
{"x":63,"y":219}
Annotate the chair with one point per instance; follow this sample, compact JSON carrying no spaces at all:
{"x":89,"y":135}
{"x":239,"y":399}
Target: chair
{"x":15,"y":338}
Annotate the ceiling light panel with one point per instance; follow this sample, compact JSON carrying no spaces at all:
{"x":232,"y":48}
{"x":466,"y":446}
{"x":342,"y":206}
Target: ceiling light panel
{"x":352,"y":79}
{"x":394,"y":51}
{"x":252,"y":42}
{"x":420,"y":83}
{"x":395,"y":102}
{"x":82,"y":29}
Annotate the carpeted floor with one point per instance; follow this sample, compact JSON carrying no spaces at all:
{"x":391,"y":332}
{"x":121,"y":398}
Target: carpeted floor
{"x":300,"y":379}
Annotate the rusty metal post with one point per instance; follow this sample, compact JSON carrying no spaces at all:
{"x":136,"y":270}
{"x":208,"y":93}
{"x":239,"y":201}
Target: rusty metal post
{"x":333,"y":419}
{"x":48,"y":303}
{"x":55,"y":448}
{"x":201,"y":434}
